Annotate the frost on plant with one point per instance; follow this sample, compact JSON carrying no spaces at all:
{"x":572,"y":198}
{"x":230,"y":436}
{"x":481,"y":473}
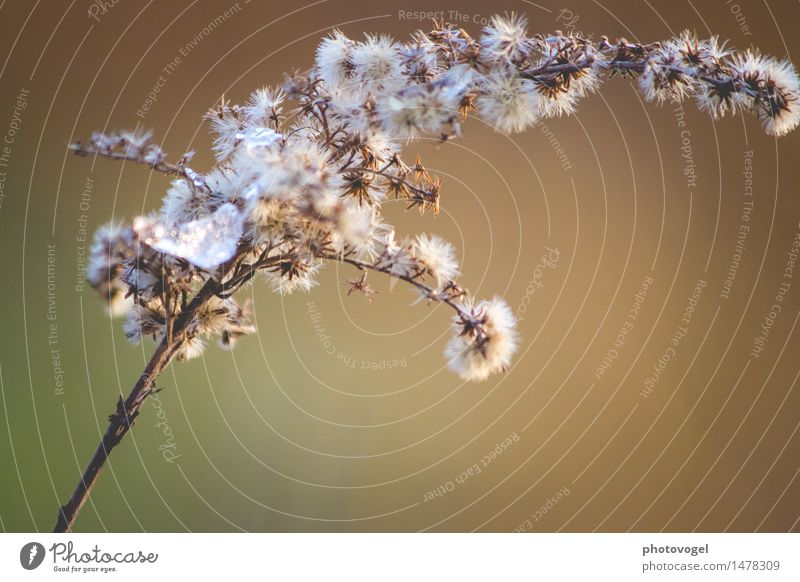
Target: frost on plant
{"x":302,"y":171}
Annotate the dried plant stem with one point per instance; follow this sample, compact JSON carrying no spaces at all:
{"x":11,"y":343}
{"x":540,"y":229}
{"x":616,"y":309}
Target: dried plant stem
{"x":121,"y":421}
{"x":123,"y":418}
{"x":152,"y":158}
{"x":160,"y":166}
{"x":448,"y":297}
{"x":301,"y":173}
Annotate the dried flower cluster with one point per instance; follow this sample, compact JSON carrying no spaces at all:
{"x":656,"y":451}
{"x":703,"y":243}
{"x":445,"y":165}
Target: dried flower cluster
{"x":302,"y":170}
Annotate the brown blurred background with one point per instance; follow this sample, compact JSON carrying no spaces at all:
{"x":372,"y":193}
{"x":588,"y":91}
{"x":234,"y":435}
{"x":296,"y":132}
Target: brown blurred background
{"x":339,"y":415}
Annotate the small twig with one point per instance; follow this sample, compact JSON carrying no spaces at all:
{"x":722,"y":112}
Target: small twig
{"x":194,"y":179}
{"x":448,"y":296}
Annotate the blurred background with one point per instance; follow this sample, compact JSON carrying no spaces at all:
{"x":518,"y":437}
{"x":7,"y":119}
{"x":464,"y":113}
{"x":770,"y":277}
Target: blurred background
{"x":642,"y":248}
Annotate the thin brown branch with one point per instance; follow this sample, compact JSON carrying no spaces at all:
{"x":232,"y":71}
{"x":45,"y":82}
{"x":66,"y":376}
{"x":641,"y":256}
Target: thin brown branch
{"x":121,"y":421}
{"x":154,"y":162}
{"x":83,"y":150}
{"x":448,"y":296}
{"x":417,"y":196}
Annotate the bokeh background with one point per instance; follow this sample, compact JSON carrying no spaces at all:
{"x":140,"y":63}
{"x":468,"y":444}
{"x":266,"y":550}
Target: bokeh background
{"x":340,"y":415}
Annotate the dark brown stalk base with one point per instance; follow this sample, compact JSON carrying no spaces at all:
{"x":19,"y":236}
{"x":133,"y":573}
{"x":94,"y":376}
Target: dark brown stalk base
{"x":121,"y":421}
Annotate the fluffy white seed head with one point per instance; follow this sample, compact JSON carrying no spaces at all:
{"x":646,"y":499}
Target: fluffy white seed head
{"x":286,"y":279}
{"x":718,"y":98}
{"x":333,"y":60}
{"x":483,"y":343}
{"x":142,"y":321}
{"x":506,"y":39}
{"x":431,"y":108}
{"x":190,"y":349}
{"x":438,"y":256}
{"x":770,"y":89}
{"x":665,"y":78}
{"x":778,"y":107}
{"x":359,"y":231}
{"x":264,"y":107}
{"x":112,"y":247}
{"x":420,"y":60}
{"x":182,"y":203}
{"x":508,"y":102}
{"x":226,"y":128}
{"x":397,"y":258}
{"x":377,"y":64}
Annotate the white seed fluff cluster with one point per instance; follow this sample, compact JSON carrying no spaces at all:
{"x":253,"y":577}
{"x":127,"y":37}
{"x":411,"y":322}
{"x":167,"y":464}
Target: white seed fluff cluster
{"x":484,"y":340}
{"x":303,"y":170}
